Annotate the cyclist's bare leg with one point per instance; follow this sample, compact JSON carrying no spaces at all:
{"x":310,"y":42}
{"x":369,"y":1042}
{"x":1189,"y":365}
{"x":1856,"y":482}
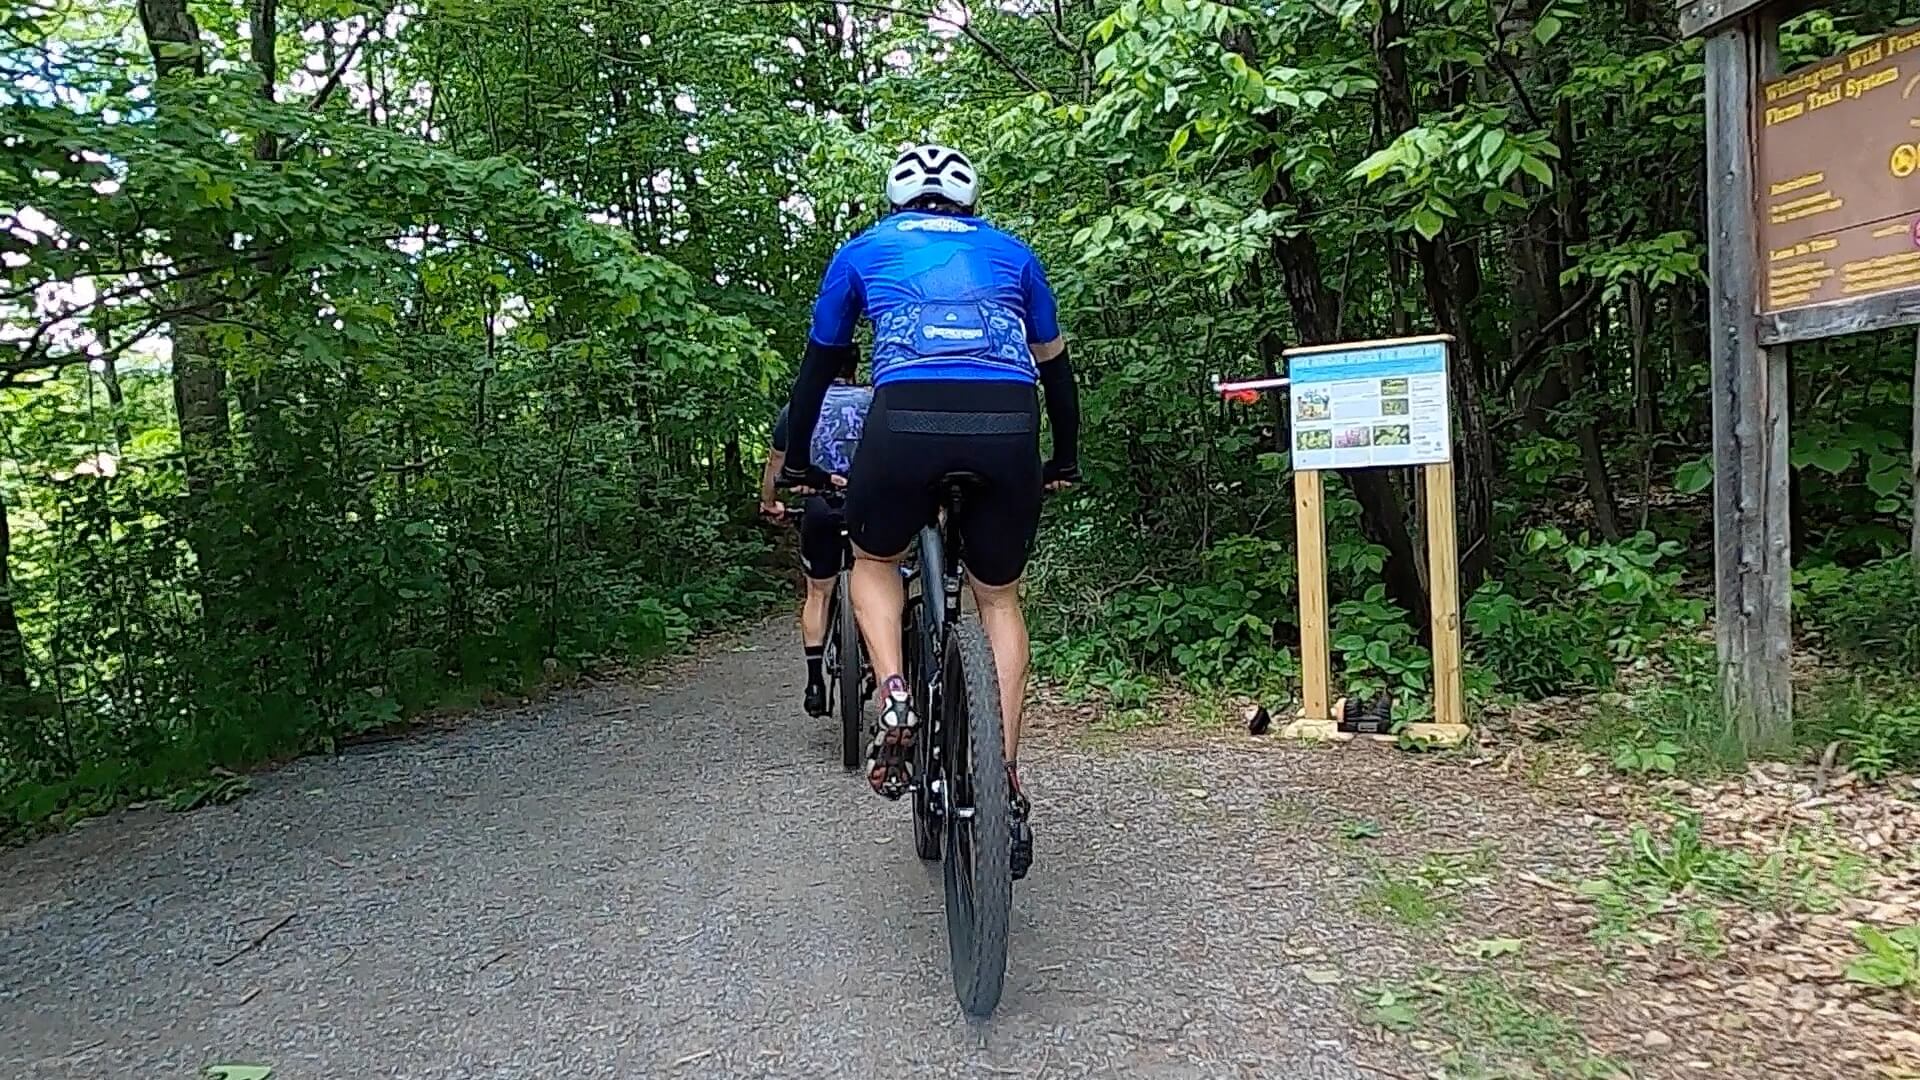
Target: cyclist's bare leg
{"x":813,"y":612}
{"x":879,"y":598}
{"x":813,"y":636}
{"x":1006,"y":628}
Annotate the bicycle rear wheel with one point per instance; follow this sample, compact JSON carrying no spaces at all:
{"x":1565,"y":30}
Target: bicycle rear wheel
{"x":979,"y":871}
{"x":846,"y":631}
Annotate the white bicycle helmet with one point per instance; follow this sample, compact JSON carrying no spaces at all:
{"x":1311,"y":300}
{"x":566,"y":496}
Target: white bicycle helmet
{"x":932,"y":170}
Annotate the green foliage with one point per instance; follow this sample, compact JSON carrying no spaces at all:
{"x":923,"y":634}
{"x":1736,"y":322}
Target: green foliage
{"x":1877,"y":725}
{"x":1421,"y":894}
{"x":324,"y":408}
{"x":1670,"y":723}
{"x":1538,"y":648}
{"x":1661,"y":758}
{"x":462,"y":434}
{"x":1486,"y":1024}
{"x":1676,"y":883}
{"x":1569,"y":610}
{"x":1869,"y":616}
{"x":1681,"y":862}
{"x":1378,"y":650}
{"x":1222,"y":627}
{"x":1890,"y":960}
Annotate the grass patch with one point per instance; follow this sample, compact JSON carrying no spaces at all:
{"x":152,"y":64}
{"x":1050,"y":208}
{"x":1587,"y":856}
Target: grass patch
{"x":1875,"y":722}
{"x":1677,"y":885}
{"x":1868,"y":616}
{"x":1487,"y":1025}
{"x":1126,"y":721}
{"x":1354,"y":830}
{"x":1670,"y":725}
{"x":1287,"y":812}
{"x":1890,"y":961}
{"x":1423,"y":894}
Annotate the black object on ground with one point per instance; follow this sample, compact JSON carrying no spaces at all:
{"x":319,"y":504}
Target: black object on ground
{"x":1374,"y":718}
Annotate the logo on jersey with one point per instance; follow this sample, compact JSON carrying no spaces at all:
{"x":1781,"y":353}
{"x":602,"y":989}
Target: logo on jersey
{"x":936,"y":224}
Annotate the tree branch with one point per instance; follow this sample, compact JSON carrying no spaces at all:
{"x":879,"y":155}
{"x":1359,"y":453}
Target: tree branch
{"x":965,"y":27}
{"x":340,"y":70}
{"x":1057,"y":27}
{"x":1500,"y":60}
{"x":1527,"y":359}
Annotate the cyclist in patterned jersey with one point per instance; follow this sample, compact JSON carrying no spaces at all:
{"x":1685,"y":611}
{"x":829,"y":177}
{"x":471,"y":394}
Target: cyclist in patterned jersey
{"x":964,"y":326}
{"x":836,"y":435}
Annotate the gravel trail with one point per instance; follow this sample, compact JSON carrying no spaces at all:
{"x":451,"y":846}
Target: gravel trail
{"x":676,"y":880}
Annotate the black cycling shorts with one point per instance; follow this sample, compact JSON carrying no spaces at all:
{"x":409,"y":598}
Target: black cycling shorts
{"x":822,"y":548}
{"x":918,"y":432}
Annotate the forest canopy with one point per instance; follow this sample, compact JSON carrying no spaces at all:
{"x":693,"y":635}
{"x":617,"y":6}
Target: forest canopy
{"x":360,"y":360}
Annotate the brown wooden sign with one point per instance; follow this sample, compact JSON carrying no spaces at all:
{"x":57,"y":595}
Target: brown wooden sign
{"x":1838,"y":177}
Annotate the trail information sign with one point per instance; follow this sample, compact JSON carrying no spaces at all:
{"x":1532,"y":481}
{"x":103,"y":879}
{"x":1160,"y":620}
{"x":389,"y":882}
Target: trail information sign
{"x":1370,"y":404}
{"x":1361,"y":405}
{"x":1838,"y":173}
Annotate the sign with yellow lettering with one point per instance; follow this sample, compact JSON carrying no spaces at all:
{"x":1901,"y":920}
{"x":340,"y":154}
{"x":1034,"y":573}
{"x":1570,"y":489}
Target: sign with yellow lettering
{"x":1838,"y":148}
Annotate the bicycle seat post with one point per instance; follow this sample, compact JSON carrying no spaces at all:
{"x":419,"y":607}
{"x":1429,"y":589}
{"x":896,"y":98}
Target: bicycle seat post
{"x":953,"y":495}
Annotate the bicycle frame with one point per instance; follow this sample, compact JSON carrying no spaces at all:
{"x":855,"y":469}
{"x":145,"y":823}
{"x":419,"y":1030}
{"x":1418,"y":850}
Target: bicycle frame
{"x":939,"y":545}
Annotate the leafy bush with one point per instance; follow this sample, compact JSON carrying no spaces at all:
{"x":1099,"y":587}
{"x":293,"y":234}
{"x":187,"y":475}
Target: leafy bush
{"x":1222,"y":627}
{"x":1378,"y":650}
{"x":1869,"y":616}
{"x":1671,"y":722}
{"x":1567,"y":611}
{"x":1878,"y":727}
{"x":1540,"y":648}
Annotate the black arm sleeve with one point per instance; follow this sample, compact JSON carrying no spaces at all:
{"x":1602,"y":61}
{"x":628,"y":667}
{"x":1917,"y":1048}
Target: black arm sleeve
{"x":810,"y":384}
{"x":779,"y":440}
{"x":1063,"y":409}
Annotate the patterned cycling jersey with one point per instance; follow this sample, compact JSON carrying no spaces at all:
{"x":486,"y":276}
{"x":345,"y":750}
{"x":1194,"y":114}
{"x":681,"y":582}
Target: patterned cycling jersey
{"x":949,"y":297}
{"x":843,"y":416}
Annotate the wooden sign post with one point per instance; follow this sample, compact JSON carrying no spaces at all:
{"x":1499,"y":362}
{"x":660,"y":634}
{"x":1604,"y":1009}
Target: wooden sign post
{"x":1813,"y":231}
{"x":1372,"y":404}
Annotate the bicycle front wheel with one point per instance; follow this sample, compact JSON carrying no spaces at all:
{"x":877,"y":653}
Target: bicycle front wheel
{"x":852,"y":667}
{"x":979,"y":867}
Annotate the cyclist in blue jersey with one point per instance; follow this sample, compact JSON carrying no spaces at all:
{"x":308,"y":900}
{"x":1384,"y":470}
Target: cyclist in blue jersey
{"x":964,"y":326}
{"x":835,"y":436}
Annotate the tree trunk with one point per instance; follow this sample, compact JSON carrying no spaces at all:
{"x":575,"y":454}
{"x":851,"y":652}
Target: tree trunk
{"x":1638,"y":316}
{"x":1451,"y":283}
{"x":13,"y":646}
{"x":199,"y":383}
{"x":1383,"y":515}
{"x":1593,"y":465}
{"x":1687,"y":323}
{"x":1569,"y":228}
{"x":263,"y":28}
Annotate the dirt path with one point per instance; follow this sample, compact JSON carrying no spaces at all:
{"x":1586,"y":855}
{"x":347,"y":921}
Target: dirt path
{"x":680,"y":880}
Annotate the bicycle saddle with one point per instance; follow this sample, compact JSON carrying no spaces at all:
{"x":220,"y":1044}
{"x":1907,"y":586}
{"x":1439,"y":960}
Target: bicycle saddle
{"x":957,"y":483}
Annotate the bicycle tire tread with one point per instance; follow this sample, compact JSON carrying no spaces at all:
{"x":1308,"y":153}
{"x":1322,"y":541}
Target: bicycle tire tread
{"x":979,"y":972}
{"x":851,"y":666}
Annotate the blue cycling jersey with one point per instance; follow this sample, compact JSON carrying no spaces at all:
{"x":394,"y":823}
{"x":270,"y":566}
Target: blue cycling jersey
{"x":949,"y":297}
{"x":843,"y":417}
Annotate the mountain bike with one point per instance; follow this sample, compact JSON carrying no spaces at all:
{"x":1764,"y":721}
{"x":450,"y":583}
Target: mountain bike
{"x":962,"y":801}
{"x":849,"y":681}
{"x":845,"y":659}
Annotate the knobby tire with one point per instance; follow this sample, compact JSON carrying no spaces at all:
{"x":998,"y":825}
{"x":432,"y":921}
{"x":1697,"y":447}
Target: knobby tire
{"x":979,"y":870}
{"x":852,"y":665}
